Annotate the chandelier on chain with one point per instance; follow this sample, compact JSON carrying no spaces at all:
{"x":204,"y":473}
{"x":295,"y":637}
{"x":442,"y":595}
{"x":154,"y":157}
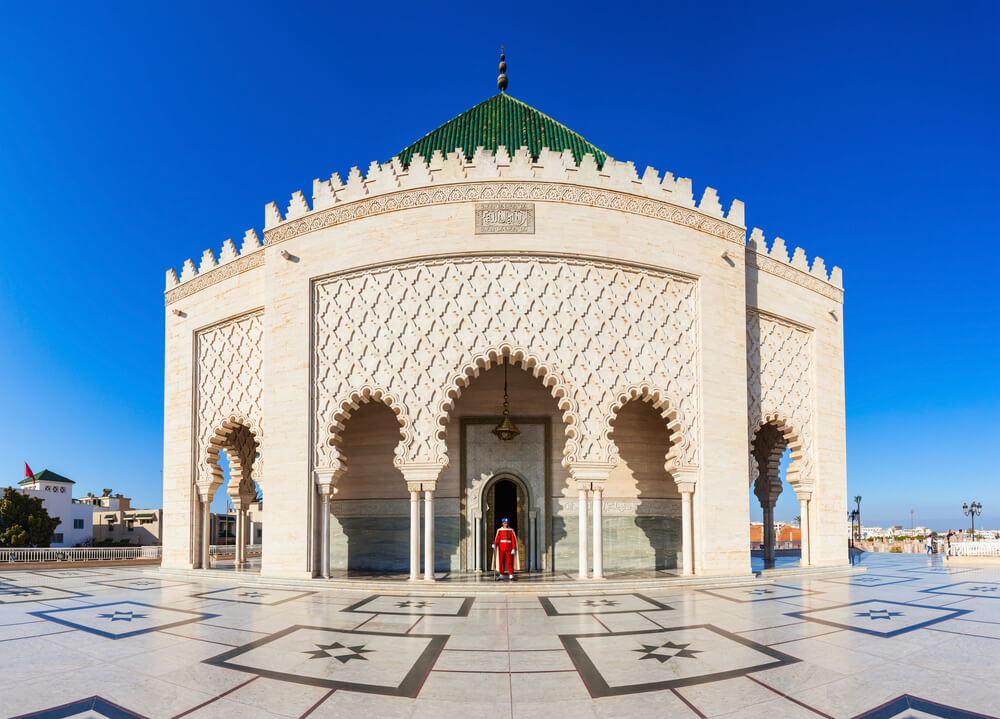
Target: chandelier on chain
{"x":506,"y":430}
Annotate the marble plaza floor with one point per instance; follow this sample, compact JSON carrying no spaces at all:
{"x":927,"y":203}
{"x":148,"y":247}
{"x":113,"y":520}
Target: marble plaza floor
{"x":911,"y":637}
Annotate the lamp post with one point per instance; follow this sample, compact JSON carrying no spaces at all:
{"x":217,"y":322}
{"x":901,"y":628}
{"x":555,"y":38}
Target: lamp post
{"x":971,"y":510}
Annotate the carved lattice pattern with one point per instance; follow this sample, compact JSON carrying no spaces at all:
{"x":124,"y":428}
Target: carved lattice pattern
{"x":412,"y":334}
{"x":779,"y":385}
{"x":230,"y":361}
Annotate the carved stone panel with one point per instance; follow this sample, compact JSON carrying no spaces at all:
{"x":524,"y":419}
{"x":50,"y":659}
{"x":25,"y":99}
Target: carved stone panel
{"x":230,"y":360}
{"x":780,"y":384}
{"x":413,"y":333}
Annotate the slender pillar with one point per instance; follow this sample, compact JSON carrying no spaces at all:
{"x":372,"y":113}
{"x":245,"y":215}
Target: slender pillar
{"x":206,"y":531}
{"x":598,"y":532}
{"x":687,"y":529}
{"x":428,"y":535}
{"x":477,"y":542}
{"x":584,"y":564}
{"x":238,"y":538}
{"x":530,"y":563}
{"x":414,"y":534}
{"x":324,"y":531}
{"x":768,"y":533}
{"x":804,"y":528}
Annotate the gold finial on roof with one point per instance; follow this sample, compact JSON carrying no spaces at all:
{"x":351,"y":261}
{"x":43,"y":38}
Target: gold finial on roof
{"x":502,"y":80}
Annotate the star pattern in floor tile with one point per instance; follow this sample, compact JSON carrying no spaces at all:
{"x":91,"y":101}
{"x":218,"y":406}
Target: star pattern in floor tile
{"x":140,"y":584}
{"x":415,"y":606}
{"x":683,"y":656}
{"x":14,"y":594}
{"x":121,"y":619}
{"x":878,"y":617}
{"x":986,"y":590}
{"x":89,"y":708}
{"x":253,"y":595}
{"x":757,"y":594}
{"x":600,"y":604}
{"x":666,"y":651}
{"x":911,"y":707}
{"x":357,"y":660}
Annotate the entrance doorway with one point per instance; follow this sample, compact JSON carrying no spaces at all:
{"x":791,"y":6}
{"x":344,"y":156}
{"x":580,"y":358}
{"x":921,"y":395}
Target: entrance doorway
{"x":506,"y":497}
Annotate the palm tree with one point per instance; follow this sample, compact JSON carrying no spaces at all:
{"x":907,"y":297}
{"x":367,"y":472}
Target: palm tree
{"x":857,"y":500}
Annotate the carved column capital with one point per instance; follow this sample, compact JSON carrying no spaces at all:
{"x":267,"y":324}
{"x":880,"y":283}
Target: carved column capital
{"x":326,"y":479}
{"x":590,"y":475}
{"x":421,"y":476}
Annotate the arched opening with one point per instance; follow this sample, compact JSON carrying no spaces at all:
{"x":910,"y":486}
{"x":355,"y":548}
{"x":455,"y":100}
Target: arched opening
{"x":369,"y":523}
{"x":775,"y":528}
{"x":232,"y":525}
{"x":506,"y":496}
{"x":530,"y":464}
{"x":642,"y":506}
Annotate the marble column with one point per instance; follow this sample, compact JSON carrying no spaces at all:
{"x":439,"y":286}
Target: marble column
{"x":238,"y":538}
{"x":477,"y":541}
{"x":206,"y":531}
{"x":414,"y":533}
{"x":804,"y":498}
{"x":531,"y":562}
{"x":324,"y":531}
{"x":598,"y":531}
{"x":584,"y":564}
{"x":428,"y":535}
{"x":768,"y":533}
{"x":687,"y":528}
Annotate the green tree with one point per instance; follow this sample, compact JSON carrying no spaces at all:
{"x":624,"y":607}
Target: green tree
{"x":24,"y":521}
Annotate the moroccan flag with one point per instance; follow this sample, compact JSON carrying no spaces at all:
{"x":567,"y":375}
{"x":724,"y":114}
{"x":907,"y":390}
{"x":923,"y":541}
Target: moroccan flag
{"x":28,"y":474}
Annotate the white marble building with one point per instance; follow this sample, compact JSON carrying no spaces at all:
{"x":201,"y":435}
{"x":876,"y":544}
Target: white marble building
{"x":659,"y":361}
{"x":56,"y":492}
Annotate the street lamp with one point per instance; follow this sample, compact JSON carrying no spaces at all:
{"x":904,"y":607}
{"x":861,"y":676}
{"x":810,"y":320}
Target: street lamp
{"x":971,"y":510}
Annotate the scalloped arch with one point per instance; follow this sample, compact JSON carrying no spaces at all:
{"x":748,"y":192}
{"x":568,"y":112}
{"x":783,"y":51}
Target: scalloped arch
{"x":349,"y":404}
{"x":241,"y":438}
{"x":550,"y":377}
{"x":792,"y":442}
{"x":670,"y":411}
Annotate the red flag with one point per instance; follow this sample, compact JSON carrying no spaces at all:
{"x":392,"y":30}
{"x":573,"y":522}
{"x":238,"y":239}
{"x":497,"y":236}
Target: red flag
{"x":28,"y":474}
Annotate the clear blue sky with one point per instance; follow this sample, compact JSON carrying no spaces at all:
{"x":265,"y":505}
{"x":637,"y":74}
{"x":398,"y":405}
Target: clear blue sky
{"x":135,"y":135}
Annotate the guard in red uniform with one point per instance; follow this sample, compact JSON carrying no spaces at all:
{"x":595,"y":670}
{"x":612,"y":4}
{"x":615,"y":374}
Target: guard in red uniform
{"x":505,"y":544}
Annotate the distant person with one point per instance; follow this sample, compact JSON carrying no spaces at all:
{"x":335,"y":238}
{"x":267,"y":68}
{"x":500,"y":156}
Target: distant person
{"x":930,"y":544}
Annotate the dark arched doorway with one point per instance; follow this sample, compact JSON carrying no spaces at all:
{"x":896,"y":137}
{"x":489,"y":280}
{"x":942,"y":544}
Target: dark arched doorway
{"x":506,"y":497}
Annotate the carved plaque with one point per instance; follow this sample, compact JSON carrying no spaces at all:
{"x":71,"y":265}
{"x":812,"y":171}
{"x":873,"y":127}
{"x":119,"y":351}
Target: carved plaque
{"x":494,"y":218}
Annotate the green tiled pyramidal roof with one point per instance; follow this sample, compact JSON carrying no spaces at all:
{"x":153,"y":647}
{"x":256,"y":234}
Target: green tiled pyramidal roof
{"x":502,"y":120}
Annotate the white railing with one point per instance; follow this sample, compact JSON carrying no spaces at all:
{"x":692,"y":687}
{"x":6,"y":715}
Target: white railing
{"x":78,"y":554}
{"x":225,"y":549}
{"x":974,"y":549}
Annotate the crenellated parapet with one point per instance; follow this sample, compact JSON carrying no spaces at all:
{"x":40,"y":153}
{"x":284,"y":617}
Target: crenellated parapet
{"x":458,"y":168}
{"x":776,"y":260}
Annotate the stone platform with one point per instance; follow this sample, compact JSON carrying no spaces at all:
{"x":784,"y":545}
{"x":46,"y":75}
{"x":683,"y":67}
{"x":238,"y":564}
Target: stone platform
{"x":909,"y":637}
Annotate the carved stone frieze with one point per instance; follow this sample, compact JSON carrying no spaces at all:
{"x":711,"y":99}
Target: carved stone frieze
{"x":217,"y":274}
{"x":510,"y":191}
{"x":414,"y":334}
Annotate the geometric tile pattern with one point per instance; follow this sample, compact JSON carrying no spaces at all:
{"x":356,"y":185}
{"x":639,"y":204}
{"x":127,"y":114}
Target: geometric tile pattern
{"x":121,"y":619}
{"x":89,"y":708}
{"x":141,"y":584}
{"x":254,"y":595}
{"x":356,"y":660}
{"x":878,"y":617}
{"x":70,"y":573}
{"x":760,"y":593}
{"x":600,"y":604}
{"x":910,"y":707}
{"x":982,"y":590}
{"x":652,"y":660}
{"x":426,"y":606}
{"x":871,"y":580}
{"x":13,"y":594}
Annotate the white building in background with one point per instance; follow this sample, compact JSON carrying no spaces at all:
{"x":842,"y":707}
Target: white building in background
{"x":56,"y":492}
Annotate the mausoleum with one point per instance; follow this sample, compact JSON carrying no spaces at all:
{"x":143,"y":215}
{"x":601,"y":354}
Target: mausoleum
{"x":501,"y":319}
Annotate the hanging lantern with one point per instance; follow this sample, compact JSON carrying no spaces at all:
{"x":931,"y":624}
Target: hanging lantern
{"x":506,"y":430}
